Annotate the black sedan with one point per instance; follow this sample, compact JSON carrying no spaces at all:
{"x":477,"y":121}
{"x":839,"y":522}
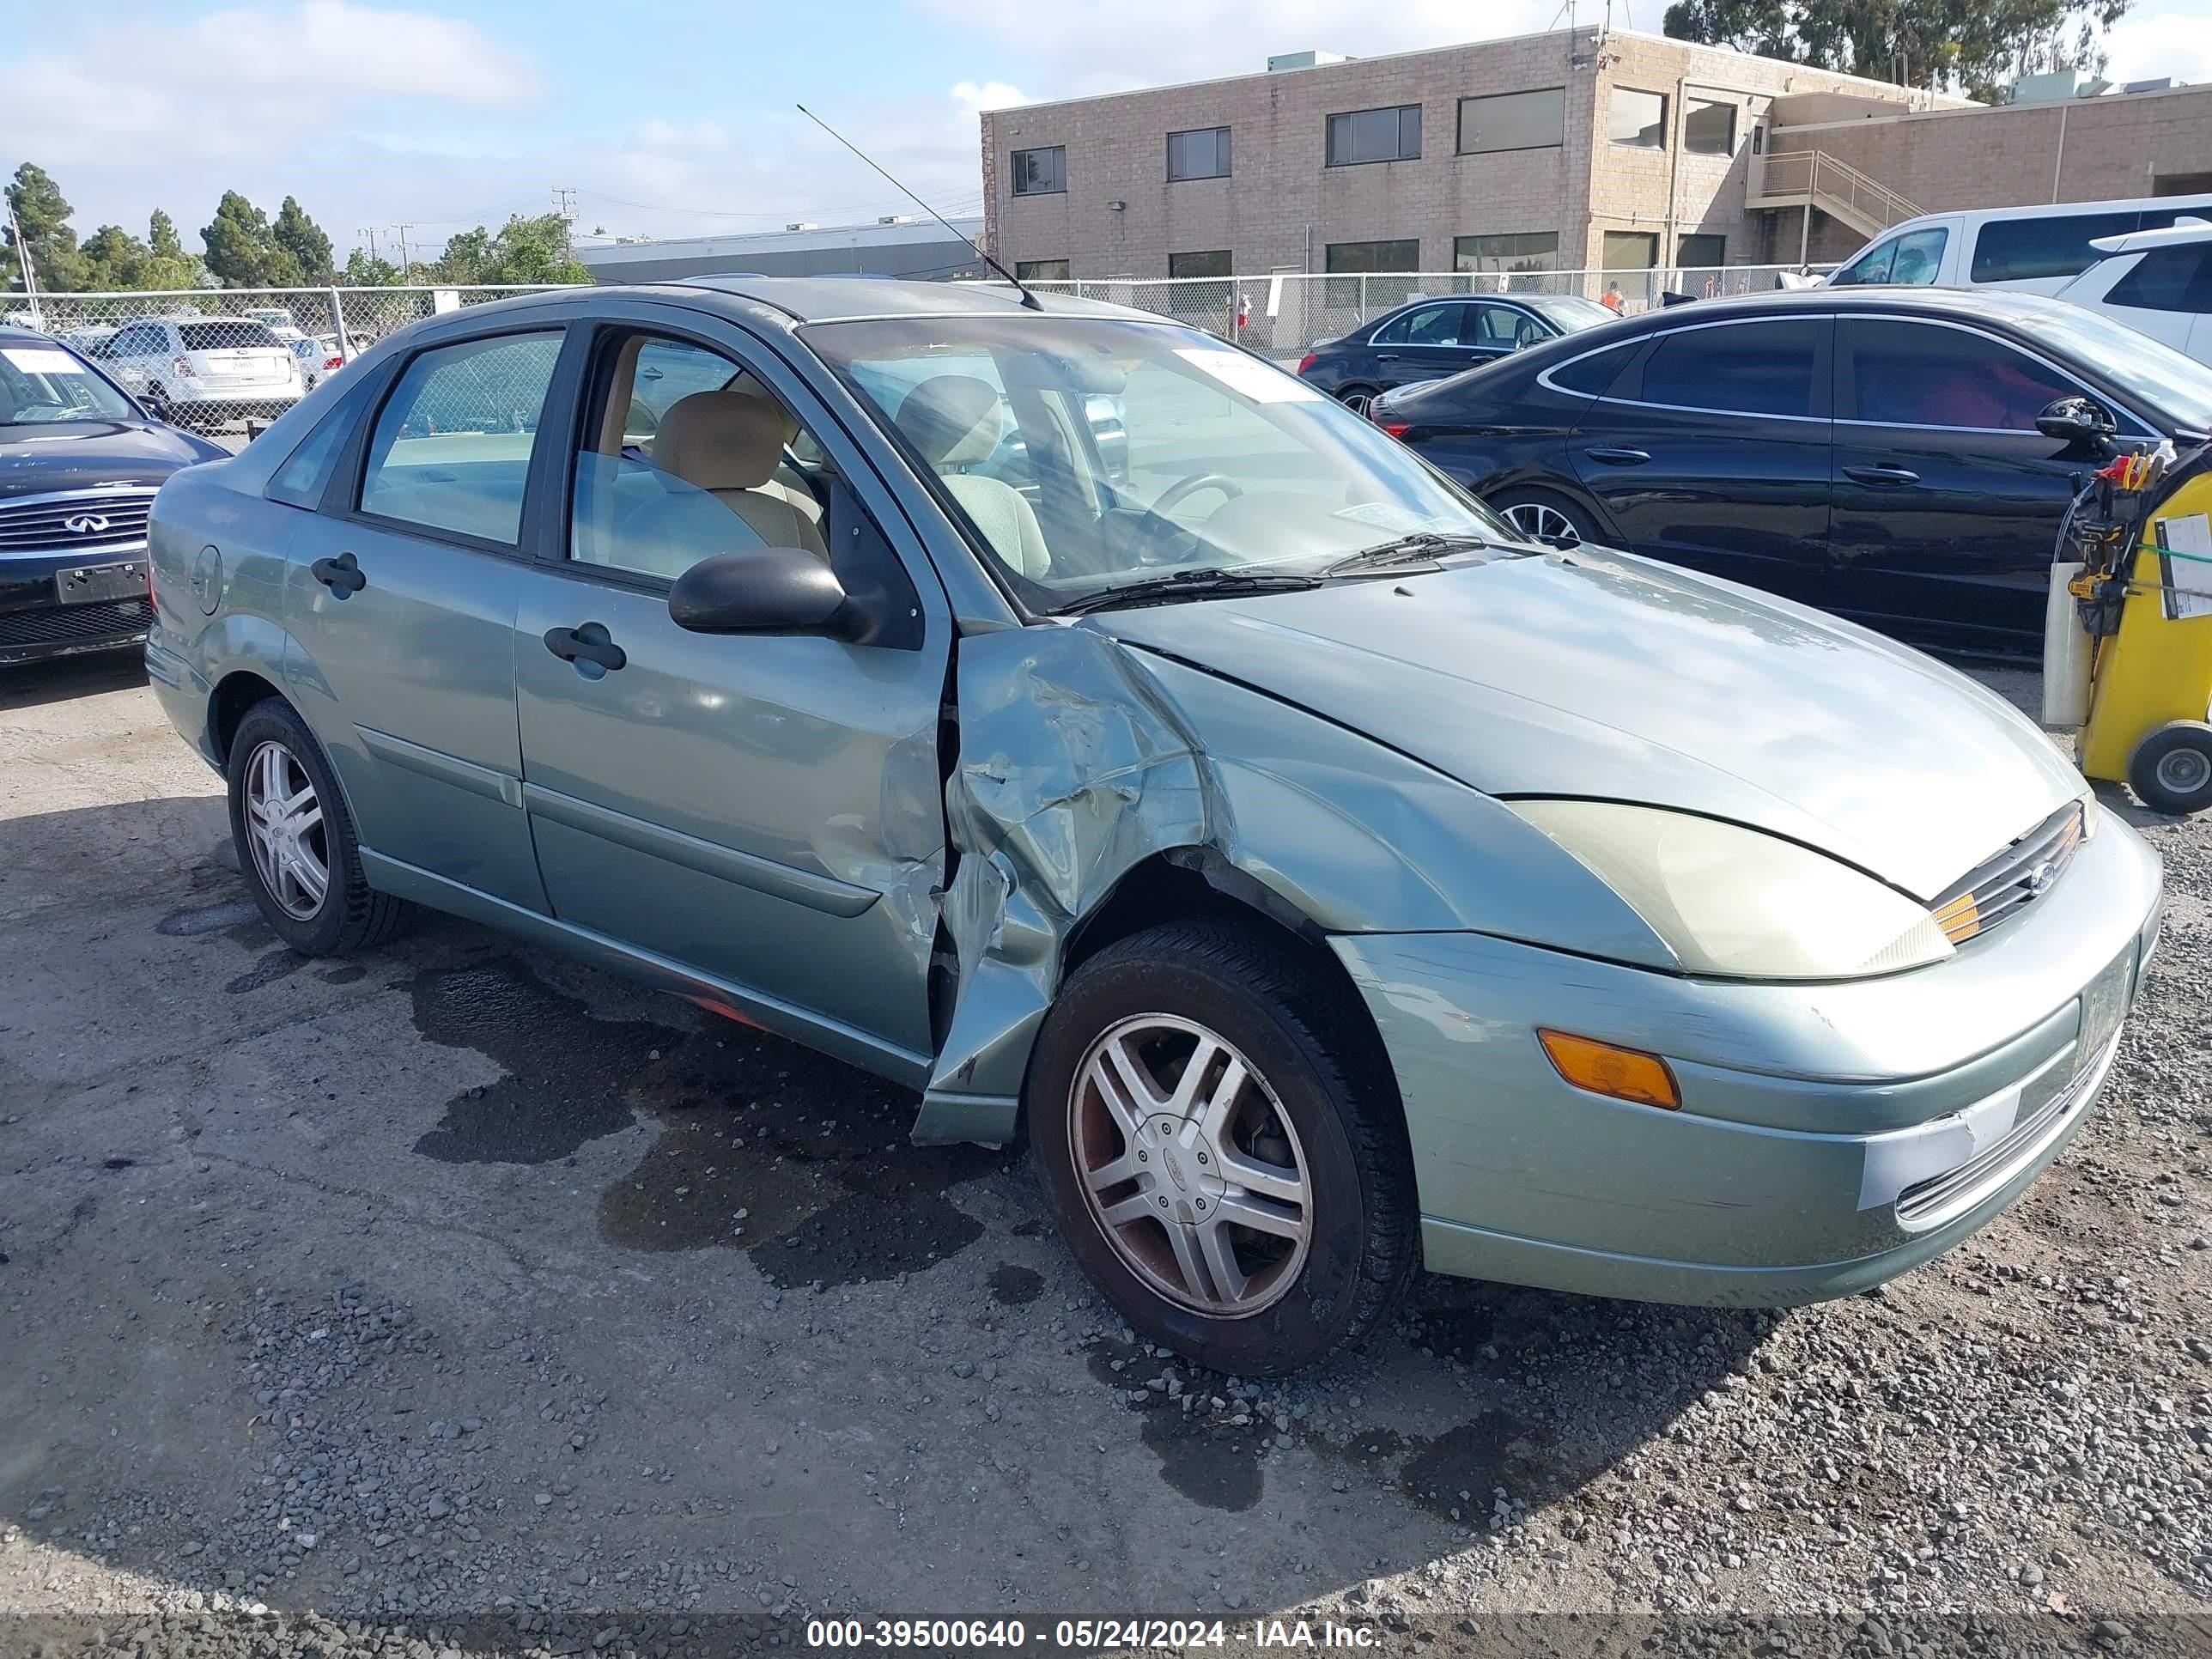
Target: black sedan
{"x":1430,"y":338}
{"x":79,"y":464}
{"x":1875,"y":451}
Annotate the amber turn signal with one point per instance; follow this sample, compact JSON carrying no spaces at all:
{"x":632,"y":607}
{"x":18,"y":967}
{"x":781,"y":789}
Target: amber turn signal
{"x":1605,"y":1069}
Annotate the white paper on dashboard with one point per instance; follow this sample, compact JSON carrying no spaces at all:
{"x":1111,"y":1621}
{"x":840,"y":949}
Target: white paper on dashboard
{"x":42,"y":360}
{"x":1248,"y":376}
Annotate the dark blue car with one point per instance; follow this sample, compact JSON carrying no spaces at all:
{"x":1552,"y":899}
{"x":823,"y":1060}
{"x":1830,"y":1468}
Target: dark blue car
{"x":1428,"y":339}
{"x":80,"y":461}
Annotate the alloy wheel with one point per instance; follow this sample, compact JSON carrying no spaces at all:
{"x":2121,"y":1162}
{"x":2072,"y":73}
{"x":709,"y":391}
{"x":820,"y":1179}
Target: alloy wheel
{"x":1543,"y":522}
{"x":1357,"y":402}
{"x":284,"y":828}
{"x":2183,"y":771}
{"x":1190,"y":1166}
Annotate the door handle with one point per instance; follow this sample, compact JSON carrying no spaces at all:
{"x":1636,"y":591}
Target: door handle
{"x":1886,"y":478}
{"x":1386,"y":356}
{"x":1616,"y":457}
{"x":342,"y":575}
{"x":588,"y":644}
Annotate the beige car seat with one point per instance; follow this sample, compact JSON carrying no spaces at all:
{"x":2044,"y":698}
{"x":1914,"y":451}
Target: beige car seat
{"x":730,"y":444}
{"x":954,"y":420}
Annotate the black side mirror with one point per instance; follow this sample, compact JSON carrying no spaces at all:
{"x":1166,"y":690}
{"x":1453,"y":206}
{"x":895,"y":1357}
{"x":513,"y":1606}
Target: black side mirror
{"x":2077,"y":421}
{"x":767,"y":590}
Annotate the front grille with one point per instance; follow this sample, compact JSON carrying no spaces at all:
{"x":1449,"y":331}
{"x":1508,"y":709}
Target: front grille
{"x":1955,"y":1192}
{"x":2012,"y":880}
{"x":75,"y":624}
{"x":105,"y":520}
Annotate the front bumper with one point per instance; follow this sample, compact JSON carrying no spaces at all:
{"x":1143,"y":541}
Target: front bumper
{"x":1831,"y":1136}
{"x":62,"y":603}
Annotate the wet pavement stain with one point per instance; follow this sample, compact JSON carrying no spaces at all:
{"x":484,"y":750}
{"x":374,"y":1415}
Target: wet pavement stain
{"x":1456,"y":1476}
{"x":351,"y":973}
{"x":195,"y":919}
{"x":1012,"y":1285}
{"x":1206,"y":1455}
{"x":1213,"y":1472}
{"x":281,"y":962}
{"x":569,"y":1075}
{"x":770,"y":1148}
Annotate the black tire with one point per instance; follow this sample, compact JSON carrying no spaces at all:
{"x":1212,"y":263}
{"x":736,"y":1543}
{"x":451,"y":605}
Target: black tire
{"x":2171,"y":767}
{"x":1525,"y":507}
{"x":1311,"y":1045}
{"x":352,"y":915}
{"x":1356,"y":398}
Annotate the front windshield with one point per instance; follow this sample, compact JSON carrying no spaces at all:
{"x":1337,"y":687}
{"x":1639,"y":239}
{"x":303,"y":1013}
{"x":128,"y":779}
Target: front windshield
{"x":1091,"y":454}
{"x":1568,"y":312}
{"x":2148,"y":371}
{"x":40,"y":385}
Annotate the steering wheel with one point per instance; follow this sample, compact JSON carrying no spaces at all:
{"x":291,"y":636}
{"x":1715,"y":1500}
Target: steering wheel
{"x":1175,"y":494}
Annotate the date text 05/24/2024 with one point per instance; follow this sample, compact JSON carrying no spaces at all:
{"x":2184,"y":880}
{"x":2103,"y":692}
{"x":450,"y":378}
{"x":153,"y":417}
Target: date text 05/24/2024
{"x":1085,"y":1635}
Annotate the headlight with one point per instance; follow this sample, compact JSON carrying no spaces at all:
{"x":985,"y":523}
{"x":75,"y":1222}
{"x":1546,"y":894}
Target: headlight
{"x":1734,"y":902}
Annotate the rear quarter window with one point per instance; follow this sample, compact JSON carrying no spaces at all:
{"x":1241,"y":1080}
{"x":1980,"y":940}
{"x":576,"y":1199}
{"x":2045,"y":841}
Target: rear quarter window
{"x":1593,"y":373}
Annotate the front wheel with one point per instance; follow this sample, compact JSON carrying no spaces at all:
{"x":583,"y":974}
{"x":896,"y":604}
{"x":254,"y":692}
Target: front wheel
{"x":1357,"y":398}
{"x":1544,"y":517}
{"x":2170,"y":769}
{"x":1221,"y":1142}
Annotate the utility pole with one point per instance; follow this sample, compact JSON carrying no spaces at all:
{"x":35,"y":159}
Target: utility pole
{"x":564,"y":204}
{"x":368,"y":234}
{"x":402,"y":231}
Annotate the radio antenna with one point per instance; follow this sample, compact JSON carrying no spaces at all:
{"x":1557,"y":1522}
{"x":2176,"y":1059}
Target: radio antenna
{"x":1028,"y":298}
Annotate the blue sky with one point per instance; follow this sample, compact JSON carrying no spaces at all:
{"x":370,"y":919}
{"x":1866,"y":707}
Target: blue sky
{"x":667,"y":117}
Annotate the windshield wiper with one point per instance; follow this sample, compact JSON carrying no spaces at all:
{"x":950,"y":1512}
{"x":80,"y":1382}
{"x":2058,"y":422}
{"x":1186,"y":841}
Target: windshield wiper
{"x":1401,"y":549}
{"x":1208,"y":583}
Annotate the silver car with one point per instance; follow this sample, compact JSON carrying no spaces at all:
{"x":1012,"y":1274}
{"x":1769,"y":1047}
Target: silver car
{"x":1329,"y":881}
{"x":202,"y":370}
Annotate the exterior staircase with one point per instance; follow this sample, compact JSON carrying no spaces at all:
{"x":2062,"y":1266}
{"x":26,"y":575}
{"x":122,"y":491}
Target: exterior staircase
{"x":1813,"y":177}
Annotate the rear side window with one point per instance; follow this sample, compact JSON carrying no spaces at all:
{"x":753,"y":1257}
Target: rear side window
{"x":452,"y":448}
{"x":1429,"y":325}
{"x":1742,"y":368}
{"x":227,"y":334}
{"x":2168,"y":279}
{"x":1595,"y":373}
{"x":1928,"y":375}
{"x":2013,"y":250}
{"x":300,"y":481}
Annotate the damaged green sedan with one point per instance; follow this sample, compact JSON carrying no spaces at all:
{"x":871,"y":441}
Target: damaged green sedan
{"x":1088,"y":725}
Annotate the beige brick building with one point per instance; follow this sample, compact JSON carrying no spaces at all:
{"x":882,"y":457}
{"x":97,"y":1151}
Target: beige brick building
{"x":1573,"y":149}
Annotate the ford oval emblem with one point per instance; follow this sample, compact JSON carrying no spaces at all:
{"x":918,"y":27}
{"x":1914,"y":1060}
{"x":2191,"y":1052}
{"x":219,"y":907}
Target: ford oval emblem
{"x":85,"y":524}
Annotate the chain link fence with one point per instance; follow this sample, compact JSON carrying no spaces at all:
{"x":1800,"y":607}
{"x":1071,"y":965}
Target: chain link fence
{"x":225,"y":362}
{"x":1284,"y":313}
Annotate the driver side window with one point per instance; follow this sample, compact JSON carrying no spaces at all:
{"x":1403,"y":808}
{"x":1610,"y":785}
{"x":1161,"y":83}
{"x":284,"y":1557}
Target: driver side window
{"x":1870,"y":269}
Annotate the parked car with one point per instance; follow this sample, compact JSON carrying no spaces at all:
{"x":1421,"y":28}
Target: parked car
{"x":79,"y":464}
{"x":279,"y":320}
{"x":204,"y":370}
{"x":2036,"y":250}
{"x":1874,"y":452}
{"x":1330,"y":879}
{"x":318,"y":358}
{"x":1430,"y":338}
{"x":2157,"y":282}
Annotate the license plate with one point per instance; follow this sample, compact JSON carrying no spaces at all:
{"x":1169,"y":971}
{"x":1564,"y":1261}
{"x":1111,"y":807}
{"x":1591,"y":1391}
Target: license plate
{"x":2104,"y":1006}
{"x":97,"y":582}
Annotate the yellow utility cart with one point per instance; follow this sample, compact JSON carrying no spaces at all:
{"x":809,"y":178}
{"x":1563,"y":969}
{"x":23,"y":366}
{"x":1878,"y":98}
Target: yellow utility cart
{"x":2138,"y":573}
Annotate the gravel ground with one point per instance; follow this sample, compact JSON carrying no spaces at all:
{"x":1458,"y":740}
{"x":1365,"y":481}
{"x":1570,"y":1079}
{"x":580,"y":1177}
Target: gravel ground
{"x":459,"y":1298}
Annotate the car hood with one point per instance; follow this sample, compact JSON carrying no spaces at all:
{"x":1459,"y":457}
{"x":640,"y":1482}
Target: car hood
{"x":1601,"y":674}
{"x":80,"y":454}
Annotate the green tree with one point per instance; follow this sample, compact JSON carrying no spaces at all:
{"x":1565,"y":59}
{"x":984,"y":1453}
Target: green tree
{"x":365,"y":270}
{"x":1975,"y":46}
{"x":534,"y":250}
{"x":303,"y":238}
{"x":167,"y":265}
{"x":43,"y":214}
{"x":114,"y":259}
{"x":242,"y":250}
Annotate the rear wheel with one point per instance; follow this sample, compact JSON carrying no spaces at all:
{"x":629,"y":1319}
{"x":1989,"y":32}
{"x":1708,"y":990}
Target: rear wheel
{"x":295,"y":840}
{"x":1356,"y":398}
{"x":1221,"y":1142}
{"x":1543,"y":516}
{"x":2170,"y":769}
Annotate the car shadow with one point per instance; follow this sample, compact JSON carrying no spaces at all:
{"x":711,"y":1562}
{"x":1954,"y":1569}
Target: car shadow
{"x":28,"y":685}
{"x":324,"y":1215}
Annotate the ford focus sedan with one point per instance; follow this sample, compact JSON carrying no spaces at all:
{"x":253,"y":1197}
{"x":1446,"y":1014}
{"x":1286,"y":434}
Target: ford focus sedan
{"x":1328,"y":881}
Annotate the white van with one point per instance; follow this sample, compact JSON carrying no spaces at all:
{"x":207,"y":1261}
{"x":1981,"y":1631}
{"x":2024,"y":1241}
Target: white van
{"x":2038,"y":249}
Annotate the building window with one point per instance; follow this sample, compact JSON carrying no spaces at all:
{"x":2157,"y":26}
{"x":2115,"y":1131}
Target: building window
{"x":1639,"y":119}
{"x":1214,"y":263}
{"x":1041,"y":270}
{"x":1200,"y":155}
{"x":1375,"y":135}
{"x":1708,"y":127}
{"x":1349,"y":258}
{"x":1513,"y":120}
{"x":1041,"y":172}
{"x":1631,"y":249}
{"x":1533,"y":250}
{"x":1701,"y":250}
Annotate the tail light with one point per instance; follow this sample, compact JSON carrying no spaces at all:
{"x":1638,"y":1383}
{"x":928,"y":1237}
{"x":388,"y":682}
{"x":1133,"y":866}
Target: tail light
{"x":1395,"y":429}
{"x":182,"y":364}
{"x":1308,"y":361}
{"x":333,"y":362}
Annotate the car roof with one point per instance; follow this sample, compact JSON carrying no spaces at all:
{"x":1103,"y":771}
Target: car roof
{"x":11,"y":334}
{"x":840,"y":299}
{"x":2006,"y":307}
{"x":2181,"y":234}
